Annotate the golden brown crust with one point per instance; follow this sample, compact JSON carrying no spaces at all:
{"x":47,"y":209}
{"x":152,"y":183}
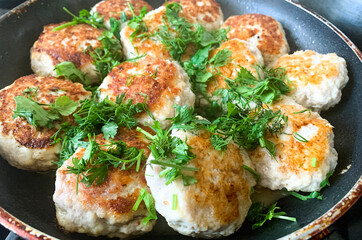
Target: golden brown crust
{"x":68,"y":43}
{"x":218,"y":194}
{"x":295,"y":156}
{"x":114,"y":8}
{"x":153,"y":77}
{"x":240,"y":57}
{"x":119,"y":192}
{"x":246,"y":26}
{"x":302,"y":66}
{"x":149,"y":45}
{"x":23,"y":132}
{"x":208,"y":12}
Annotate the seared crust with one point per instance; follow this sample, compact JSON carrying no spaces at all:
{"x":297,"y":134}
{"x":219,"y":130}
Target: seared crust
{"x":242,"y":55}
{"x":263,"y":31}
{"x":150,"y":46}
{"x":318,"y":78}
{"x":292,"y":168}
{"x":114,"y":8}
{"x":110,"y":203}
{"x":163,"y":82}
{"x":33,"y":144}
{"x":205,"y":12}
{"x":68,"y":44}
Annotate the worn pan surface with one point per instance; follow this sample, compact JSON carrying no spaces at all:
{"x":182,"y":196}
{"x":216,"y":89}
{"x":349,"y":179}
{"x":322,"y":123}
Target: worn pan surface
{"x":26,"y":205}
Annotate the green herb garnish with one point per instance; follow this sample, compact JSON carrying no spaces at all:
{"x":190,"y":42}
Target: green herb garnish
{"x":312,"y":195}
{"x":258,"y":216}
{"x":150,"y":205}
{"x":71,"y":72}
{"x":84,"y":17}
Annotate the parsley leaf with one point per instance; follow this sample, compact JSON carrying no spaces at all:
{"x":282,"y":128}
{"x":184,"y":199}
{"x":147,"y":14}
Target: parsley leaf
{"x":110,"y":130}
{"x":71,"y":72}
{"x":64,"y":105}
{"x":34,"y":113}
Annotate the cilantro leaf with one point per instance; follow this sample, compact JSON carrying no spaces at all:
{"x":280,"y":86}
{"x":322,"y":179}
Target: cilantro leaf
{"x":221,"y":58}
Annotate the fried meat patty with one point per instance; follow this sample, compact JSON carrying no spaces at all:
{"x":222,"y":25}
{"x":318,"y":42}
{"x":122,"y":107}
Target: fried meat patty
{"x":242,"y":55}
{"x":23,"y":145}
{"x":207,"y":13}
{"x":304,"y":152}
{"x":67,"y":44}
{"x":153,"y":46}
{"x":114,"y":8}
{"x":105,"y":209}
{"x":217,"y":204}
{"x":164,"y":82}
{"x":318,"y":78}
{"x":262,"y":31}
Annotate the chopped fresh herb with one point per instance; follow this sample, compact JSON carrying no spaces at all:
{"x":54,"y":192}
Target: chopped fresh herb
{"x":312,"y":195}
{"x":42,"y":115}
{"x":93,"y":166}
{"x":221,"y":58}
{"x":303,"y":111}
{"x":150,"y":205}
{"x":123,"y":17}
{"x":64,"y":105}
{"x":247,"y":87}
{"x":299,"y":138}
{"x":325,"y":182}
{"x":252,"y":171}
{"x":84,"y":17}
{"x":137,"y":23}
{"x":170,"y":153}
{"x":34,"y":113}
{"x":177,"y":33}
{"x":258,"y":216}
{"x":174,"y":201}
{"x":95,"y":117}
{"x":314,"y":162}
{"x":110,"y":130}
{"x":247,"y":127}
{"x":109,"y":55}
{"x":71,"y":72}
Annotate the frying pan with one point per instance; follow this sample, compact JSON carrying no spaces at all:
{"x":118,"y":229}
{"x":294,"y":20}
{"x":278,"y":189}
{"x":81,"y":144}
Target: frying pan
{"x":26,"y":198}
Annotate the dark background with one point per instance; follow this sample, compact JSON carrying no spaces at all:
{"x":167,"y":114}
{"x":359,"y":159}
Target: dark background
{"x":348,"y":226}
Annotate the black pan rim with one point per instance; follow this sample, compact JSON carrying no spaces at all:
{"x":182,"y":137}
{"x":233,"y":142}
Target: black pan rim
{"x":341,"y":207}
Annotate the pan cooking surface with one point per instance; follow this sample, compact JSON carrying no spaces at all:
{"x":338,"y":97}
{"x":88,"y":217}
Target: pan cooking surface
{"x":28,"y":196}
